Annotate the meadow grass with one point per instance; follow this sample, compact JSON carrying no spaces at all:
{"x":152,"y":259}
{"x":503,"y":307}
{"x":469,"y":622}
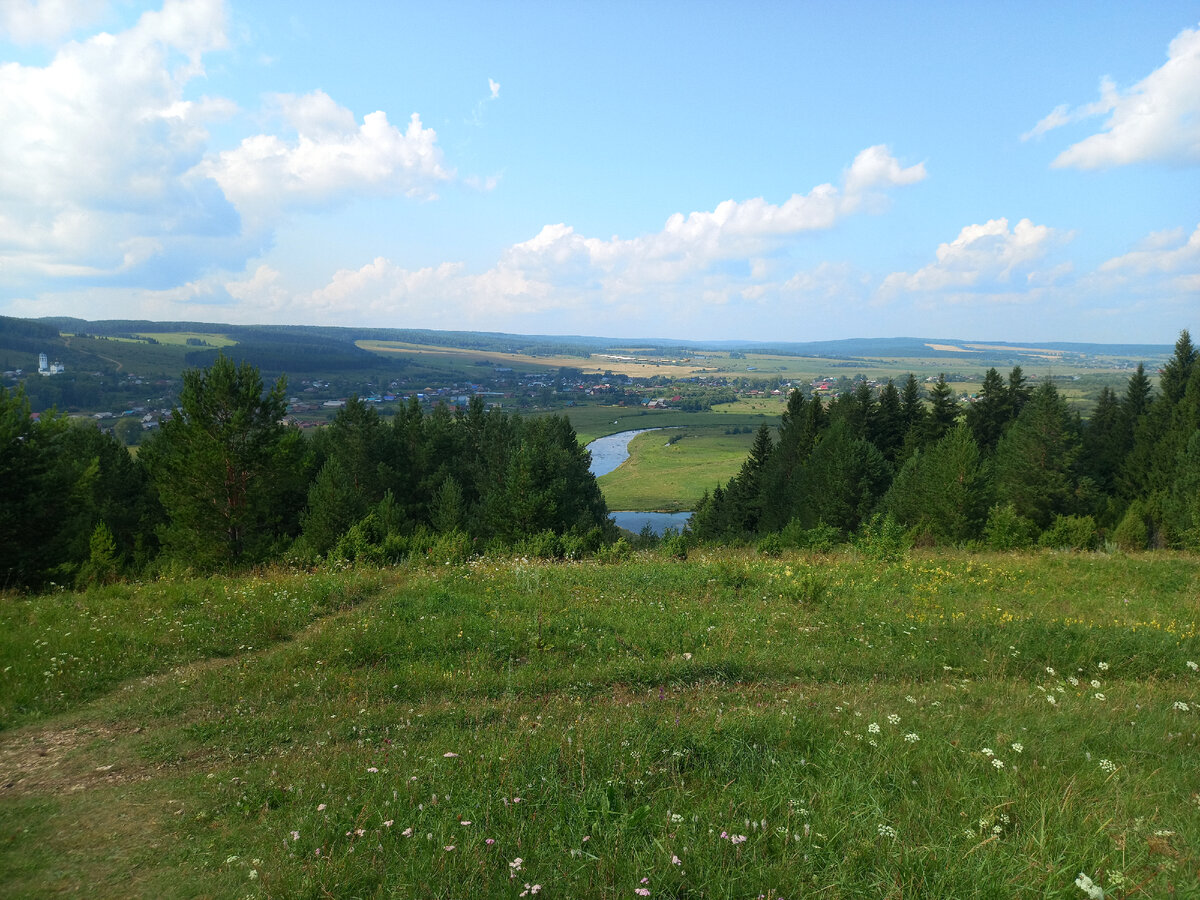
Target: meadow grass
{"x":730,"y":726}
{"x":669,"y":470}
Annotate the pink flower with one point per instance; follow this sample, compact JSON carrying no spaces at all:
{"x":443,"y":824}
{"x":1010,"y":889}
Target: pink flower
{"x":448,"y":847}
{"x":388,"y":823}
{"x":490,"y":841}
{"x":320,"y":807}
{"x":372,"y":769}
{"x":642,"y":892}
{"x":407,"y":832}
{"x":646,"y":880}
{"x":449,"y":755}
{"x":676,"y":861}
{"x":465,"y":822}
{"x":587,"y":837}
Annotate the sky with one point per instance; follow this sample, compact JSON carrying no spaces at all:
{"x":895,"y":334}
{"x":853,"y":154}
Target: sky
{"x":760,"y":171}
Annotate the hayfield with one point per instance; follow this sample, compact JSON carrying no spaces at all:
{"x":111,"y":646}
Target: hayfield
{"x":729,"y":726}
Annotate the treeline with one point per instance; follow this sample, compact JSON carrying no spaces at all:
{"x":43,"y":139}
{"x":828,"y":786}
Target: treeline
{"x":224,"y":483}
{"x":1018,"y":468}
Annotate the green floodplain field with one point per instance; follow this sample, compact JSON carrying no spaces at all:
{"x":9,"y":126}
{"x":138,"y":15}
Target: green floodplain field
{"x":733,"y":725}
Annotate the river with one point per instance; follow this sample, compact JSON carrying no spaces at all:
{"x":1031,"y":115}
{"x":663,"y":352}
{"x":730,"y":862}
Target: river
{"x":608,"y":453}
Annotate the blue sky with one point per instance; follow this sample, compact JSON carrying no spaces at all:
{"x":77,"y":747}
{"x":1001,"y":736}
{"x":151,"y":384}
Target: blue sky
{"x":759,"y":171}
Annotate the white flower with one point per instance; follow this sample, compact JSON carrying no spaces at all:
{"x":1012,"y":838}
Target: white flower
{"x":1018,"y":747}
{"x":1089,"y":887}
{"x":1195,"y":667}
{"x":1099,"y":696}
{"x":987,"y":751}
{"x":1095,"y":683}
{"x":997,"y":764}
{"x":873,"y":728}
{"x":1049,"y":670}
{"x":1102,"y":666}
{"x":894,"y":719}
{"x":1181,"y":706}
{"x":887,"y":831}
{"x":1108,"y":766}
{"x":912,"y":737}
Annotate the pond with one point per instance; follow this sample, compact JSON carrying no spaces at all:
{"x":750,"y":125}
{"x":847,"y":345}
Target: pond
{"x":607,"y":455}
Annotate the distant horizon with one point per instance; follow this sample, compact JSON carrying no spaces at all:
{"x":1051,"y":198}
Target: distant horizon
{"x":1029,"y":173}
{"x":975,"y":344}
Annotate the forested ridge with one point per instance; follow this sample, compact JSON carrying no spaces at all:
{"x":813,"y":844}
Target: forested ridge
{"x":1017,"y":468}
{"x":225,"y":484}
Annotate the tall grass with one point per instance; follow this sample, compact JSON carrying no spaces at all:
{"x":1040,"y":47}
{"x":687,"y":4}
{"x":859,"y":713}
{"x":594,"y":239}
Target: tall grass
{"x":730,"y":726}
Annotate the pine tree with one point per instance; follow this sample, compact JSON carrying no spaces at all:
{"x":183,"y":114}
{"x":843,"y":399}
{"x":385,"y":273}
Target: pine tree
{"x":226,"y":468}
{"x":1035,"y":460}
{"x":886,"y":429}
{"x":943,"y":413}
{"x":989,"y":415}
{"x":1175,"y":374}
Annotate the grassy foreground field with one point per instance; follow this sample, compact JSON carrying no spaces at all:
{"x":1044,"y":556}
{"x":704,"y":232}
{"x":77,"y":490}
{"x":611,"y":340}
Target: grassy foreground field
{"x":732,"y":726}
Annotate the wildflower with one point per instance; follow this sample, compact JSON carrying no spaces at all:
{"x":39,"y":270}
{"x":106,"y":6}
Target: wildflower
{"x":1102,"y":666}
{"x":465,"y":822}
{"x":388,"y":823}
{"x":887,"y":831}
{"x":676,"y":818}
{"x":515,"y":865}
{"x":1049,"y":670}
{"x":873,"y":728}
{"x":909,"y":698}
{"x":372,"y":769}
{"x":911,"y":738}
{"x":295,"y":835}
{"x":407,"y":832}
{"x":449,"y":755}
{"x":1181,"y":706}
{"x":894,"y":719}
{"x":997,"y":764}
{"x":1108,"y":766}
{"x":490,"y":841}
{"x":320,"y":807}
{"x":448,"y":847}
{"x":987,"y":751}
{"x":1050,"y":698}
{"x":1099,"y":696}
{"x":676,"y":861}
{"x":642,"y":892}
{"x":1193,"y":666}
{"x":1073,"y":680}
{"x":737,"y":839}
{"x":1089,"y":887}
{"x":253,"y":874}
{"x":1018,"y":747}
{"x":645,"y":879}
{"x":1095,"y":683}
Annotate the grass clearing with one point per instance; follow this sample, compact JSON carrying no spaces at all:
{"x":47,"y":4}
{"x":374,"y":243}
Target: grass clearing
{"x":729,"y":726}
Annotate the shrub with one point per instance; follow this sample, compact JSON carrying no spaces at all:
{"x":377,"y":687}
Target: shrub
{"x":1006,"y":529}
{"x":1132,"y":533}
{"x":882,"y":538}
{"x":1070,"y":533}
{"x":820,"y":538}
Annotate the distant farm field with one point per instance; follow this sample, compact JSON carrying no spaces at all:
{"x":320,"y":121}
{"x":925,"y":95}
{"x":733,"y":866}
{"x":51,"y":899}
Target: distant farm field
{"x":669,"y":470}
{"x":732,"y":725}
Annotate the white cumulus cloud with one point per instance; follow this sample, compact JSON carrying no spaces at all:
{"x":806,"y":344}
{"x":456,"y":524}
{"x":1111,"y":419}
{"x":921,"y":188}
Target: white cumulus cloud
{"x":699,"y":261}
{"x":330,"y":159}
{"x":45,"y":21}
{"x":983,"y":258}
{"x":1156,"y":120}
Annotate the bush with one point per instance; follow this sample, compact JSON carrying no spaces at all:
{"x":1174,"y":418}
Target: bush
{"x":819,"y":539}
{"x":615,"y":553}
{"x":1070,"y":533}
{"x":674,"y":545}
{"x":1132,"y":533}
{"x":771,"y":545}
{"x":882,"y":538}
{"x":1006,"y":529}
